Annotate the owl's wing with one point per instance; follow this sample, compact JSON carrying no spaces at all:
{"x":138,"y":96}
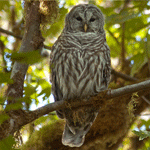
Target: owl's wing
{"x":55,"y":88}
{"x":106,"y":68}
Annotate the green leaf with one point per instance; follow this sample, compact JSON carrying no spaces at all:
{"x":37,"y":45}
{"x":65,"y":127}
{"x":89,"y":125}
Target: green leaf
{"x":30,"y":94}
{"x":138,"y":24}
{"x":58,"y":26}
{"x":3,"y":117}
{"x":142,"y":134}
{"x":5,"y":78}
{"x":4,"y":4}
{"x":107,"y":11}
{"x":51,"y":117}
{"x":7,"y":143}
{"x":2,"y":100}
{"x":46,"y":88}
{"x":29,"y":90}
{"x":46,"y":91}
{"x":71,"y":2}
{"x":139,"y":60}
{"x":145,"y":122}
{"x":38,"y":73}
{"x":26,"y":57}
{"x":43,"y":83}
{"x":40,"y":120}
{"x":141,"y":5}
{"x":14,"y":106}
{"x":120,"y":18}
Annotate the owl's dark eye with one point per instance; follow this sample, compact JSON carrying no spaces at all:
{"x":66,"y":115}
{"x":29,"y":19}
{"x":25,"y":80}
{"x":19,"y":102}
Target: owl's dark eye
{"x":92,"y":19}
{"x":79,"y":18}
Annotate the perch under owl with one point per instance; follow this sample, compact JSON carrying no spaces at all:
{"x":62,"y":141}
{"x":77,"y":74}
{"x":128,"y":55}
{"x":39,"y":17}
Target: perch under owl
{"x":80,"y":68}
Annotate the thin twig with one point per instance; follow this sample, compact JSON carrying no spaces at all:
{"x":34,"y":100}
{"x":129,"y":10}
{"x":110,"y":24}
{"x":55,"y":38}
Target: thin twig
{"x":18,"y":36}
{"x":145,"y":99}
{"x":128,"y":78}
{"x":10,"y":33}
{"x":123,"y":49}
{"x":124,"y":76}
{"x":114,"y":37}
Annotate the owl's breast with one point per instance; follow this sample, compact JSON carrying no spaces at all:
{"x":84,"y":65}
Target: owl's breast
{"x":91,"y":42}
{"x":83,"y":41}
{"x":79,"y":65}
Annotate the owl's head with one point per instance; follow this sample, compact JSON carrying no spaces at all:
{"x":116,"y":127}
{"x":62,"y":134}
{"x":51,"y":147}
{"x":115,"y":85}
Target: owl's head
{"x":84,"y":18}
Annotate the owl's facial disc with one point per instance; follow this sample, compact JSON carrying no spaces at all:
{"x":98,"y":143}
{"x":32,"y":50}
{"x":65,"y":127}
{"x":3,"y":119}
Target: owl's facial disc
{"x":84,"y":18}
{"x":85,"y":21}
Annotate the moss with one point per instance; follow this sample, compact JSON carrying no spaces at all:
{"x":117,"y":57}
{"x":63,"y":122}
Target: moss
{"x":49,"y":11}
{"x":112,"y":122}
{"x":46,"y":137}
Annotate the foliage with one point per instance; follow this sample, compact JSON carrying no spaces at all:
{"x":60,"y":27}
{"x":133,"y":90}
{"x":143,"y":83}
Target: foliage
{"x":6,"y":144}
{"x":26,"y":57}
{"x":142,"y":134}
{"x":131,"y":21}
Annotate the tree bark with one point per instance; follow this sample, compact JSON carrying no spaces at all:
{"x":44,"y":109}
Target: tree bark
{"x":32,"y":40}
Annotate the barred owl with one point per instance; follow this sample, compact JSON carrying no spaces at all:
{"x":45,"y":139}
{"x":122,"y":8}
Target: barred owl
{"x":80,"y":68}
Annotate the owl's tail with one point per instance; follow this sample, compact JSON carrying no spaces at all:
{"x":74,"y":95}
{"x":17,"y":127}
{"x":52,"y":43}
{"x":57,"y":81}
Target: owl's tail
{"x":73,"y":139}
{"x":74,"y":134}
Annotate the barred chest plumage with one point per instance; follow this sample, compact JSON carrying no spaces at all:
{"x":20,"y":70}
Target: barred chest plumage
{"x":81,"y":62}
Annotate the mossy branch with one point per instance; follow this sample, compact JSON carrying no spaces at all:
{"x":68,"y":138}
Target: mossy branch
{"x":22,"y":117}
{"x":108,"y":94}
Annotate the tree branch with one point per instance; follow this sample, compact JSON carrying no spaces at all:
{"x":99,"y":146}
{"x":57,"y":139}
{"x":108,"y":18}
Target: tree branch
{"x":145,"y":85}
{"x":18,"y":36}
{"x":23,"y":117}
{"x":124,"y":76}
{"x":108,"y":94}
{"x":145,"y":99}
{"x":10,"y":33}
{"x":128,"y":78}
{"x":119,"y":44}
{"x":123,"y":49}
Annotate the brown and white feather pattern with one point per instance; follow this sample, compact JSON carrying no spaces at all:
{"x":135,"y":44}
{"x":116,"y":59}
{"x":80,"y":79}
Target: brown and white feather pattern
{"x":80,"y":66}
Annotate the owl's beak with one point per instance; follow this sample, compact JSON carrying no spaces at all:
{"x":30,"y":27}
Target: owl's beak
{"x":85,"y":27}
